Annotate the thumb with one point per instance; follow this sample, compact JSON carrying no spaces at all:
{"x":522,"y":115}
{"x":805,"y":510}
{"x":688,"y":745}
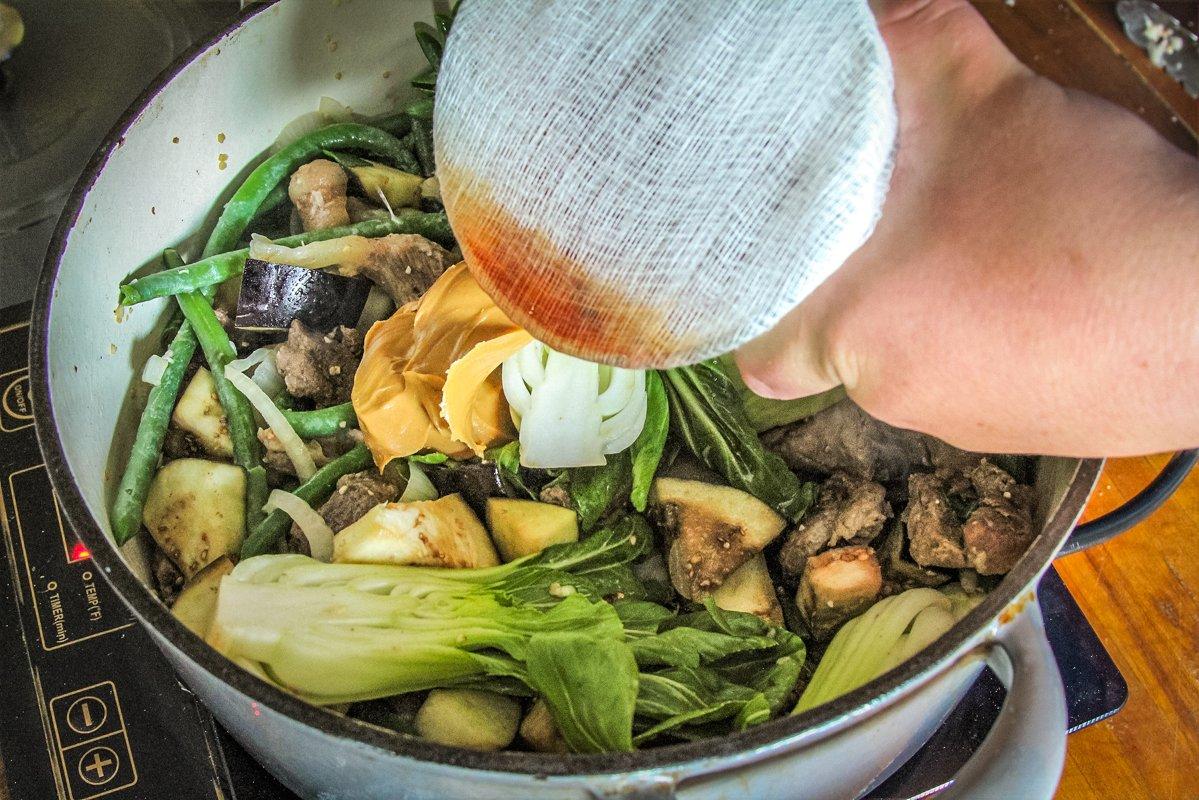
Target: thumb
{"x":790,"y":360}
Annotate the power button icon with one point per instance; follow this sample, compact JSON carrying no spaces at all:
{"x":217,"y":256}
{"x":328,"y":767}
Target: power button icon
{"x":87,"y":714}
{"x":99,"y":765}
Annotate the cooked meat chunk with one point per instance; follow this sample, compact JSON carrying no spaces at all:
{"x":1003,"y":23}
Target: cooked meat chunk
{"x":275,"y":457}
{"x":847,"y":510}
{"x":356,"y":494}
{"x":712,"y":530}
{"x":318,"y":191}
{"x":934,"y":534}
{"x":999,"y":529}
{"x":837,"y":585}
{"x":997,"y":526}
{"x":846,"y":438}
{"x":320,"y":366}
{"x":899,"y":572}
{"x":402,"y":264}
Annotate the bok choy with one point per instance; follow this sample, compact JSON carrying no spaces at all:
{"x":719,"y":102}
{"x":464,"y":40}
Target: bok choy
{"x":893,"y":630}
{"x":612,"y":675}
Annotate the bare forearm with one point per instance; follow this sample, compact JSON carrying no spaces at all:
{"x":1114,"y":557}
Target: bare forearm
{"x":1034,"y":282}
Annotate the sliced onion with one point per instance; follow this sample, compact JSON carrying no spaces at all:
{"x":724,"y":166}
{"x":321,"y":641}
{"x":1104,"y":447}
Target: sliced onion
{"x":293,"y":445}
{"x":347,"y":251}
{"x":156,"y":365}
{"x":266,"y":372}
{"x":419,"y":486}
{"x":315,"y":529}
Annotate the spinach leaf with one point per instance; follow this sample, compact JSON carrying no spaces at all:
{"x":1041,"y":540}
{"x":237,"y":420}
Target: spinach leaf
{"x":647,"y":449}
{"x":621,"y":543}
{"x":590,"y":685}
{"x":706,"y":413}
{"x":692,"y":696}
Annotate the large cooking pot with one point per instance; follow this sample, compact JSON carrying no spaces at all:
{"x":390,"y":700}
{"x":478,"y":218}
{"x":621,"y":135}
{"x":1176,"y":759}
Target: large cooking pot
{"x":152,"y":184}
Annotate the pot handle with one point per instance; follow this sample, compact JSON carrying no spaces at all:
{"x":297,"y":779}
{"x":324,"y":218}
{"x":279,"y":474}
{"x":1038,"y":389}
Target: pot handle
{"x":1098,"y":531}
{"x":1023,"y":754}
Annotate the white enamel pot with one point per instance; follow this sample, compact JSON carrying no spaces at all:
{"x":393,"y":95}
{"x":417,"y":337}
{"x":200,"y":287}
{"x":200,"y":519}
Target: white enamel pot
{"x":153,"y":184}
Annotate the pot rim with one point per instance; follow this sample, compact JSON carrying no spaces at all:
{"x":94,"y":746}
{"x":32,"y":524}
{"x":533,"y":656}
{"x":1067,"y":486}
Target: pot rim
{"x":759,"y":740}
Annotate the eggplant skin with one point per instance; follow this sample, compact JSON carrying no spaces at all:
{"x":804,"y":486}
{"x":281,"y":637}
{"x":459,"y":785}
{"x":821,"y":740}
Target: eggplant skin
{"x":272,"y":295}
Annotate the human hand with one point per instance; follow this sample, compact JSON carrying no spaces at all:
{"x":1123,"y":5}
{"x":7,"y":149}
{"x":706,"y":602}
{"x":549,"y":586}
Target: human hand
{"x":1032,"y":284}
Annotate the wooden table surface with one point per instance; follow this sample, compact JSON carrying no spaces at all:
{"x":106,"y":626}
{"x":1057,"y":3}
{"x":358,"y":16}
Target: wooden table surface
{"x":1141,"y":590}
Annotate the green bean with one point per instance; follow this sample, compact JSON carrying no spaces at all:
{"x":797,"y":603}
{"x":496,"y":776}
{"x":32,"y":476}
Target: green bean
{"x":219,"y":351}
{"x":422,"y":140}
{"x":151,"y":430}
{"x":249,"y":198}
{"x":214,"y":269}
{"x":396,"y":124}
{"x":170,"y":260}
{"x":277,"y":197}
{"x":256,"y":495}
{"x":322,"y":421}
{"x":265,"y":537}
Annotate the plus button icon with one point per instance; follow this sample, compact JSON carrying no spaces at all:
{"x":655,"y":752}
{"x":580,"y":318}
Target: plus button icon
{"x":98,"y":765}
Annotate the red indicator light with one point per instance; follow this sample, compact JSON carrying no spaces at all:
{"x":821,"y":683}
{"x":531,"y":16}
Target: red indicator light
{"x":79,"y":552}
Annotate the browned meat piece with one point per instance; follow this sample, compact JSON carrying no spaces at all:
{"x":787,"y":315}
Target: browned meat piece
{"x":934,"y":534}
{"x":356,"y":494}
{"x":999,"y":530}
{"x":402,"y":264}
{"x":899,"y":572}
{"x":846,"y":438}
{"x":168,"y":580}
{"x":837,"y":585}
{"x":318,"y":191}
{"x":847,"y":510}
{"x":320,"y":366}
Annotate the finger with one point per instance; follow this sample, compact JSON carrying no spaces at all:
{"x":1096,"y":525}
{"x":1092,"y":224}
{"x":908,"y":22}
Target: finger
{"x":789,"y":360}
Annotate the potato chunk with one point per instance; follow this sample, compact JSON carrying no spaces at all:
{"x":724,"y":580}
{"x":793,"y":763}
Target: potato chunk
{"x":524,"y":527}
{"x":434,"y":533}
{"x":196,"y":604}
{"x":199,"y":413}
{"x":468,"y":718}
{"x":195,"y":510}
{"x":712,"y":529}
{"x":750,"y":589}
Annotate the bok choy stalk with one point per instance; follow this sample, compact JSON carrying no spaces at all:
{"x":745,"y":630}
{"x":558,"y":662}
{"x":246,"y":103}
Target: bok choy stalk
{"x":890,"y":632}
{"x":707,"y":415}
{"x":571,"y":412}
{"x":612,"y":675}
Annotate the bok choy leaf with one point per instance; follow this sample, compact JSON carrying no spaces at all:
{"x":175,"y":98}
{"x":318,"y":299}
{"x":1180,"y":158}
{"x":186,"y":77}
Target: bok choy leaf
{"x":707,"y":415}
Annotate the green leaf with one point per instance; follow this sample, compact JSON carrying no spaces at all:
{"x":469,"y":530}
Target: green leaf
{"x":706,"y":413}
{"x":507,"y":460}
{"x":647,"y":450}
{"x":618,"y":544}
{"x":431,"y":41}
{"x":429,"y":458}
{"x":595,"y":492}
{"x":764,"y":413}
{"x":590,"y":686}
{"x":690,"y":647}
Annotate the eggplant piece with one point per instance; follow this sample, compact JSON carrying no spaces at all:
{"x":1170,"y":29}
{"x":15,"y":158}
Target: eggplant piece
{"x":272,"y":295}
